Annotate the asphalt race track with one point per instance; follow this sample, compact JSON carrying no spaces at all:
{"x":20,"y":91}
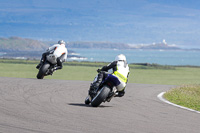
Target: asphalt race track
{"x":57,"y":106}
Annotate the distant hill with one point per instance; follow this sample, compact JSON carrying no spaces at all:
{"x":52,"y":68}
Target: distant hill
{"x":111,"y":45}
{"x":21,"y":44}
{"x":98,"y":45}
{"x":18,"y":44}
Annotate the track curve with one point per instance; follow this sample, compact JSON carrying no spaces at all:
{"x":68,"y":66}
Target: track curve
{"x":57,"y":106}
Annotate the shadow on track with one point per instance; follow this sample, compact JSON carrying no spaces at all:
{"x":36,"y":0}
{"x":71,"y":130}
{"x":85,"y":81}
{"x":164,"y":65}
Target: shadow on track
{"x":84,"y":105}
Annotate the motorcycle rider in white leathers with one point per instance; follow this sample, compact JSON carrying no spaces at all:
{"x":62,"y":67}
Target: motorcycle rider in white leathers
{"x":59,"y":50}
{"x":119,"y":76}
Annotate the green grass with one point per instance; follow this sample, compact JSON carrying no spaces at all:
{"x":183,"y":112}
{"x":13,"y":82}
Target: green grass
{"x":187,"y":96}
{"x":179,"y":76}
{"x":86,"y":71}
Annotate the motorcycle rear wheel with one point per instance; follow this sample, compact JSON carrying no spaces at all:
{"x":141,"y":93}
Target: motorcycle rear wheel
{"x":101,"y":96}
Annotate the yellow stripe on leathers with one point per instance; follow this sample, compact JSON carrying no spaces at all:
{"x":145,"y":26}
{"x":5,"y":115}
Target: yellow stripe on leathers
{"x":120,"y":76}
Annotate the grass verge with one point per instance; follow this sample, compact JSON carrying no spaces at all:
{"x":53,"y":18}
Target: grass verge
{"x":187,"y":96}
{"x":86,"y":71}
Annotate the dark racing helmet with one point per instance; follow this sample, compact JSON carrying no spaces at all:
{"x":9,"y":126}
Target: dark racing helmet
{"x":61,"y":42}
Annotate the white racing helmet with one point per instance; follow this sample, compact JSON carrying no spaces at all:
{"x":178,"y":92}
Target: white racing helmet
{"x":61,"y":42}
{"x":120,"y":57}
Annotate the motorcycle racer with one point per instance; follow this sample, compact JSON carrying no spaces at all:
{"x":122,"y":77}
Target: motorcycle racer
{"x":119,"y":76}
{"x":59,"y":50}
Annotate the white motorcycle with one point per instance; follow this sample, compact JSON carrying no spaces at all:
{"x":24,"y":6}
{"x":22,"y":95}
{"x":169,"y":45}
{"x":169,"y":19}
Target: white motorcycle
{"x":47,"y":68}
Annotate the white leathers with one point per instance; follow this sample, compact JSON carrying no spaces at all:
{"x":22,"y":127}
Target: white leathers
{"x":122,"y":74}
{"x":123,"y":68}
{"x":59,"y":50}
{"x":122,"y":71}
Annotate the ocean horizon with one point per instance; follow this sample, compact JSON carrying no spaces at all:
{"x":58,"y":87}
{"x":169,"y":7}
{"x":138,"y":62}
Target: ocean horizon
{"x":162,"y":57}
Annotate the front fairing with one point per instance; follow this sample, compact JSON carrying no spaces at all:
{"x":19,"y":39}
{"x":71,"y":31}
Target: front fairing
{"x":52,"y":58}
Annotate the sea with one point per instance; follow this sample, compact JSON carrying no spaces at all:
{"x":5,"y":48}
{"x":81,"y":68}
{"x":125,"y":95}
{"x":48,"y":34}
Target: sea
{"x":162,"y":57}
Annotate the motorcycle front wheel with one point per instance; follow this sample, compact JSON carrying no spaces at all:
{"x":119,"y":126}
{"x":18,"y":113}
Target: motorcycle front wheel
{"x":43,"y":69}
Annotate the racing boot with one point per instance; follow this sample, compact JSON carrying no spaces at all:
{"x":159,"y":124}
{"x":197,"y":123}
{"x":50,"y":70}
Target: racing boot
{"x":92,"y":91}
{"x":95,"y":85}
{"x":42,"y":60}
{"x":40,"y":64}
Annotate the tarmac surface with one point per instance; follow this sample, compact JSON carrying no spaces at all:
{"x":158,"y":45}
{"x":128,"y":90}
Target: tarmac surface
{"x":57,"y":106}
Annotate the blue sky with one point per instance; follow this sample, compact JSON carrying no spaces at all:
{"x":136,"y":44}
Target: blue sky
{"x":125,"y":21}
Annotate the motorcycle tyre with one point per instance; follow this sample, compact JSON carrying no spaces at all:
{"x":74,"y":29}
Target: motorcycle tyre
{"x":101,"y":96}
{"x":43,"y":70}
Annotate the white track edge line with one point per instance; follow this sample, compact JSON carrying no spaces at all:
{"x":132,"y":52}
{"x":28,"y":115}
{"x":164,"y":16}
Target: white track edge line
{"x":160,"y":96}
